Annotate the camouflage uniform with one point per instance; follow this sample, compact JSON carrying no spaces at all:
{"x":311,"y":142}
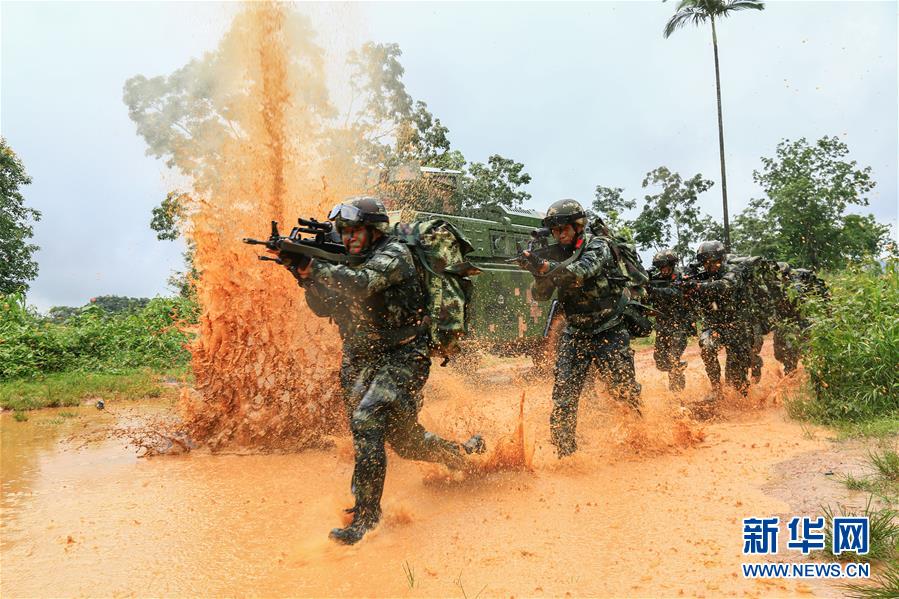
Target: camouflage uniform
{"x":379,"y":308}
{"x":789,"y":333}
{"x":594,"y":333}
{"x":675,"y":322}
{"x":724,"y":306}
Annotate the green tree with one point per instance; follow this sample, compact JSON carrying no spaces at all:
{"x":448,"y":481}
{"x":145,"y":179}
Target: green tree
{"x":671,"y":217}
{"x":117,"y":304}
{"x":167,"y":222}
{"x":498,"y":183}
{"x":803,"y":220}
{"x":17,"y":267}
{"x":609,"y":204}
{"x":698,"y":12}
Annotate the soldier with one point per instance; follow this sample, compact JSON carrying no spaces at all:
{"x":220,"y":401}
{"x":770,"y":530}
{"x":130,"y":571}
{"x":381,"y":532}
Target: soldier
{"x":798,"y":285}
{"x":593,"y":294}
{"x":380,"y":309}
{"x":724,"y":307}
{"x":760,"y":280}
{"x":674,"y":319}
{"x":789,"y":322}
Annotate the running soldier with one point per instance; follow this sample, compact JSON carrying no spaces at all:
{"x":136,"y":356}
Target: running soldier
{"x":593,"y":295}
{"x":380,"y":309}
{"x":675,"y":322}
{"x":724,"y":305}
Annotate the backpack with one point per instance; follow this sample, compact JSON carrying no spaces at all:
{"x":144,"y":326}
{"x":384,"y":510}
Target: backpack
{"x":439,"y":251}
{"x":635,"y":311}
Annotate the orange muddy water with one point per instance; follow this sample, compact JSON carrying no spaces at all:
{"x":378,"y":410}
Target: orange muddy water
{"x":647,"y":508}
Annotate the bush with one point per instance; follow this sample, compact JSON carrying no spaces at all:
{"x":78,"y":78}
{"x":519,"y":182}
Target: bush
{"x":92,"y":340}
{"x":853,"y":347}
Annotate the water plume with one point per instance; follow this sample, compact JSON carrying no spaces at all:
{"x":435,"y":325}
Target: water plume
{"x":249,"y":123}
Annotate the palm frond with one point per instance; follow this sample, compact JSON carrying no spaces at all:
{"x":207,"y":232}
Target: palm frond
{"x":683,"y":17}
{"x":734,"y":5}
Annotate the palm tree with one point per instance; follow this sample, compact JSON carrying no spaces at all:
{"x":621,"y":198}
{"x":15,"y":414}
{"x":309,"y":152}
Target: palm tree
{"x":698,"y":12}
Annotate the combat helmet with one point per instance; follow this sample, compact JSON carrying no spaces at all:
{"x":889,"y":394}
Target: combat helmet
{"x":784,"y":268}
{"x":710,"y":250}
{"x":665,"y":258}
{"x":360,"y":210}
{"x":565,"y":212}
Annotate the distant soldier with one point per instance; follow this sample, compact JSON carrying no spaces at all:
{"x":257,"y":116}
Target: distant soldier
{"x":675,"y":322}
{"x":789,"y":321}
{"x":592,"y":293}
{"x":380,"y":311}
{"x":798,"y":286}
{"x":725,"y":311}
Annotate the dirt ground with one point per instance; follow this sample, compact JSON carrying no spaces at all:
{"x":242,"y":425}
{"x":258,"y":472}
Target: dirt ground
{"x":647,"y":507}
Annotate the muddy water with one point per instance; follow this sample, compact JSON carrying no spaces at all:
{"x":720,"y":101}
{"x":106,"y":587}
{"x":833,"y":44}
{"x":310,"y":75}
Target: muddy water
{"x":648,"y":508}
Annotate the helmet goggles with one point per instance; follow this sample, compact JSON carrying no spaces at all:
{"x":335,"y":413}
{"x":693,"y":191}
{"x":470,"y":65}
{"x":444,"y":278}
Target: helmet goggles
{"x":347,"y":214}
{"x":560,"y":220}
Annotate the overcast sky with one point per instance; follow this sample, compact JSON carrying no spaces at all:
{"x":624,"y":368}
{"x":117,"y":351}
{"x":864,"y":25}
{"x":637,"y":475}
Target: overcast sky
{"x":583,"y":94}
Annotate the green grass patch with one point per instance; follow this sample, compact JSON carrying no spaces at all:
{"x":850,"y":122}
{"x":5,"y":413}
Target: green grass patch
{"x":20,"y":416}
{"x":853,"y":344}
{"x":72,"y":388}
{"x":884,"y":583}
{"x":883,"y":532}
{"x":887,"y":463}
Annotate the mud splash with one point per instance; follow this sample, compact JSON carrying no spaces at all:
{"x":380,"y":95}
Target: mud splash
{"x":265,"y":366}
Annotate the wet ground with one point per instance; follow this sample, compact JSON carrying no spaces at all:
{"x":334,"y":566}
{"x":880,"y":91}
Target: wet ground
{"x":649,"y":507}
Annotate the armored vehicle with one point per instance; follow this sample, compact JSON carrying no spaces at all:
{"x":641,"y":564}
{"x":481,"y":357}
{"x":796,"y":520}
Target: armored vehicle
{"x":505,"y":318}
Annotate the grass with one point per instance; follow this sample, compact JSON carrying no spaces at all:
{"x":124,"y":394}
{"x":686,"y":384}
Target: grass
{"x":409,"y":571}
{"x":887,"y":463}
{"x":884,"y":583}
{"x":801,"y":406}
{"x":883,"y":532}
{"x":885,"y":482}
{"x":71,"y":388}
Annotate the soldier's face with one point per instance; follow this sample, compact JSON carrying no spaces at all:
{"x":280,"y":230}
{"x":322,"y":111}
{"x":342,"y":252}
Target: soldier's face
{"x":666,"y":270}
{"x":566,"y":234}
{"x":712,"y":265}
{"x":355,"y":239}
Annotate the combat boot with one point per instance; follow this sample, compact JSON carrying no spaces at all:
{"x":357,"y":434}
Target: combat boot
{"x":363,"y":521}
{"x":475,"y":445}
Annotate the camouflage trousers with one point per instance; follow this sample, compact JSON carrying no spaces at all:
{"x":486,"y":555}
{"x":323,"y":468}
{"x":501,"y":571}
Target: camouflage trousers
{"x":614,"y":359}
{"x":787,"y":339}
{"x":383,"y":396}
{"x":737,"y":340}
{"x":669,"y":347}
{"x":755,"y":360}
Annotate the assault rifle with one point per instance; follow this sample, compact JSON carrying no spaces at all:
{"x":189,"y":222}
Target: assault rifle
{"x":294,"y":250}
{"x":537,"y":249}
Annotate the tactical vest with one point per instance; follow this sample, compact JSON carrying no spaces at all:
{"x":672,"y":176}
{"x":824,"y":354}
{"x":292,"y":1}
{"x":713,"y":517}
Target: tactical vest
{"x":395,"y":315}
{"x":598,"y":303}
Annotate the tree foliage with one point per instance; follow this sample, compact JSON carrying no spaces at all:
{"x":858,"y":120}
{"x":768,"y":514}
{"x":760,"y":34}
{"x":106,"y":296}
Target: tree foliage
{"x":498,"y":182}
{"x":93,"y":339}
{"x":609,"y":203}
{"x":698,"y":12}
{"x":168,"y":222}
{"x":803,"y":219}
{"x":17,"y":266}
{"x":671,"y":217}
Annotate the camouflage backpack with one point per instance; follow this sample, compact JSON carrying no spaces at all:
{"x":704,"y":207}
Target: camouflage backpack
{"x":439,"y":251}
{"x":635,"y":276}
